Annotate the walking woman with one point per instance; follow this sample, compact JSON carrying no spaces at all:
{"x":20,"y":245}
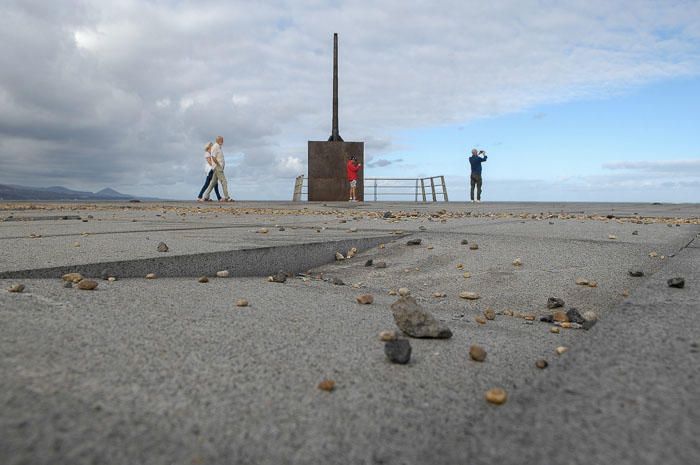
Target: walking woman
{"x":211,"y":164}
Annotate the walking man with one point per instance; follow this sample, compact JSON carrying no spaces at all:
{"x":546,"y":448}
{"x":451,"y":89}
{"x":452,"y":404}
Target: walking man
{"x":475,"y":161}
{"x":218,"y":156}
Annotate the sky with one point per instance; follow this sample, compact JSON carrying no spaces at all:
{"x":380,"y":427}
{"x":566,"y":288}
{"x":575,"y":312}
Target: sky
{"x":579,"y":100}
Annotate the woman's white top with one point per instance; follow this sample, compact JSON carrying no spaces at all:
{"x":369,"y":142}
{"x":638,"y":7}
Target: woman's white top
{"x":207,"y":167}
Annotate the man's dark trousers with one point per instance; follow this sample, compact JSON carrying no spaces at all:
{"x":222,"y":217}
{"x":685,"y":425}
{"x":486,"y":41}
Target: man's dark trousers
{"x":476,"y":181}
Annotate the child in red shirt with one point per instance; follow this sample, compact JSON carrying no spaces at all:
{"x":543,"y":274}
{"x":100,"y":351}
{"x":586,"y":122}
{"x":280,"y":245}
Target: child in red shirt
{"x":353,"y":168}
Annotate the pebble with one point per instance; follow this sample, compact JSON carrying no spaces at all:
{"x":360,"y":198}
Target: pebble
{"x":529,"y":317}
{"x":560,"y":316}
{"x":541,"y":364}
{"x":480,"y":319}
{"x":582,"y":281}
{"x":87,"y":285}
{"x":612,"y":236}
{"x":241,"y":303}
{"x":381,"y":246}
{"x":414,"y":242}
{"x":76,"y":244}
{"x":477,"y":353}
{"x":473,"y":246}
{"x":388,"y":335}
{"x":352,"y":230}
{"x":592,"y":283}
{"x":555,"y":302}
{"x":263,"y":231}
{"x":365,"y":299}
{"x":469,"y":295}
{"x":222,"y":274}
{"x":574,"y":316}
{"x":203,"y":279}
{"x":636,"y":273}
{"x":430,"y":247}
{"x":326,"y":385}
{"x":416,"y":322}
{"x":72,"y":277}
{"x":496,"y":396}
{"x":422,"y":228}
{"x":162,"y":247}
{"x":398,"y":351}
{"x":676,"y":282}
{"x":467,"y":275}
{"x":369,"y":262}
{"x":590,"y":319}
{"x":339,"y":256}
{"x":459,"y":266}
{"x":68,"y":284}
{"x":439,"y":294}
{"x":653,"y":254}
{"x":508,"y":312}
{"x":280,"y":277}
{"x":635,"y":233}
{"x":380,"y":265}
{"x":404,"y":291}
{"x":151,"y":276}
{"x":337,"y":281}
{"x":16,"y":288}
{"x":281,"y":228}
{"x":561,"y":349}
{"x":465,"y":242}
{"x":554,"y":330}
{"x":112,"y":279}
{"x":392,"y":292}
{"x":625,"y":293}
{"x":517,"y":262}
{"x":490,"y":314}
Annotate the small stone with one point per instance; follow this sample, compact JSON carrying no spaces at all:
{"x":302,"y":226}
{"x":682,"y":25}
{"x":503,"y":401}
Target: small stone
{"x":398,"y":351}
{"x":469,"y":295}
{"x":326,"y":385}
{"x":625,"y":293}
{"x":676,"y":282}
{"x":387,"y":214}
{"x":430,"y":247}
{"x":529,"y":317}
{"x":76,"y":244}
{"x":490,"y":314}
{"x":554,"y":330}
{"x":281,"y":228}
{"x":561,"y":349}
{"x":459,"y":266}
{"x":574,"y":316}
{"x":151,"y":276}
{"x":380,"y":265}
{"x":351,"y":253}
{"x":392,"y":292}
{"x":280,"y":277}
{"x":263,"y":231}
{"x":112,"y":279}
{"x":590,"y":319}
{"x":369,"y":262}
{"x":365,"y":299}
{"x":636,"y":273}
{"x":560,"y":316}
{"x":653,"y":254}
{"x":439,"y":295}
{"x":404,"y":291}
{"x":416,"y":322}
{"x":566,"y":325}
{"x":381,"y":246}
{"x":16,"y":288}
{"x":612,"y":236}
{"x":635,"y":233}
{"x":592,"y":283}
{"x":203,"y":279}
{"x":541,"y":364}
{"x":352,"y":230}
{"x":496,"y":396}
{"x":222,"y":274}
{"x":422,"y":228}
{"x":480,"y":319}
{"x":339,"y":256}
{"x":465,"y":242}
{"x":473,"y":246}
{"x":582,"y":281}
{"x":162,"y":247}
{"x":517,"y":262}
{"x":337,"y":281}
{"x":508,"y":312}
{"x":87,"y":285}
{"x":388,"y":336}
{"x":68,"y":284}
{"x":241,"y":303}
{"x":477,"y":353}
{"x":467,"y":275}
{"x":72,"y":277}
{"x":547,"y":319}
{"x":414,"y":242}
{"x":555,"y":302}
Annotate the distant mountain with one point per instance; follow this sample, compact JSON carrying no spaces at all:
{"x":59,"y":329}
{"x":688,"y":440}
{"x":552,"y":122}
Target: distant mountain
{"x":14,"y":192}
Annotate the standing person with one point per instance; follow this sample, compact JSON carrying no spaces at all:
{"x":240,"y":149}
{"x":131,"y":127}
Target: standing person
{"x":353,"y":168}
{"x":218,"y":157}
{"x":210,"y":172}
{"x":475,"y":161}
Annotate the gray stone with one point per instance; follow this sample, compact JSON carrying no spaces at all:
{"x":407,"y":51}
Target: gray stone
{"x":416,"y":322}
{"x":574,"y":316}
{"x":464,"y":242}
{"x":676,"y":282}
{"x":414,"y":242}
{"x":398,"y":351}
{"x":636,"y":273}
{"x":388,"y":214}
{"x":380,"y":265}
{"x":163,"y":247}
{"x":337,"y":281}
{"x":369,"y":262}
{"x":635,"y":233}
{"x":555,"y":302}
{"x":279,"y":277}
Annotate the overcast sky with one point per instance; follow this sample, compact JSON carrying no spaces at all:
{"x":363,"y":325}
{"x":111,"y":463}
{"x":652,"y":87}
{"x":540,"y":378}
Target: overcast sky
{"x":573,"y":100}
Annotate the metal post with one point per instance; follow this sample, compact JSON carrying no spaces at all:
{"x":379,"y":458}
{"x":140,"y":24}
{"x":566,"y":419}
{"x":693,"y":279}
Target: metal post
{"x":444,"y":188}
{"x":422,"y":188}
{"x":416,"y":191}
{"x":375,"y":190}
{"x":335,"y":133}
{"x":432,"y":188}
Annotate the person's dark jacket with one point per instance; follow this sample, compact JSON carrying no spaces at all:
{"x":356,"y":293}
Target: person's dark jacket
{"x":476,"y":162}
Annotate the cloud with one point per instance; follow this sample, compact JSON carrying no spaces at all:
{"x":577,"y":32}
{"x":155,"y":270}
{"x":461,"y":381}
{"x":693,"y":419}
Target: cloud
{"x":677,"y":167}
{"x":382,"y":162}
{"x":125,"y":93}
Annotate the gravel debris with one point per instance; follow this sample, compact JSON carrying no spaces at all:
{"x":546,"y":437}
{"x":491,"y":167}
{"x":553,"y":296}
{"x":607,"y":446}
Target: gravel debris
{"x":477,"y":353}
{"x":677,"y":282}
{"x":162,"y":247}
{"x":496,"y":396}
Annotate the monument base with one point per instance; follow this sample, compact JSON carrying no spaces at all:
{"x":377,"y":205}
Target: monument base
{"x":328,"y":179}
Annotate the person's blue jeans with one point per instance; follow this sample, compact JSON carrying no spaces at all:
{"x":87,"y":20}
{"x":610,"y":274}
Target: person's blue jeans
{"x":206,"y":183}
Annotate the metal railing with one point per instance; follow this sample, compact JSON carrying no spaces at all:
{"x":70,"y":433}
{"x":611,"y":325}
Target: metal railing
{"x":425,"y":189}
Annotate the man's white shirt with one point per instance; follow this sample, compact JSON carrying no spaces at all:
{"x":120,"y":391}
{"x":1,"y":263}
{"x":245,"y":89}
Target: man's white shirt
{"x":218,"y":154}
